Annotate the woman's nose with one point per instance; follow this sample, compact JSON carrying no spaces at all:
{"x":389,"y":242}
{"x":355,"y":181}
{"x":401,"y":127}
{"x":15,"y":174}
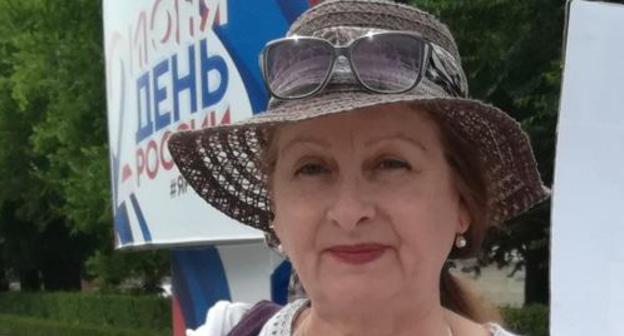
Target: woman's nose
{"x":351,"y":205}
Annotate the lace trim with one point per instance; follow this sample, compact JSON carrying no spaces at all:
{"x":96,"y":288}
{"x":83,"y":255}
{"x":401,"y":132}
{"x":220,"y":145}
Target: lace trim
{"x":281,"y":324}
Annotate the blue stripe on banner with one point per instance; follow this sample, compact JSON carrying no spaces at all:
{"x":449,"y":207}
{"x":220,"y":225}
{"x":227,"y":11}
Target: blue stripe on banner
{"x":181,"y":292}
{"x":279,"y":282}
{"x":200,"y":281}
{"x":122,"y":224}
{"x":291,"y":9}
{"x":147,"y":236}
{"x":266,"y":22}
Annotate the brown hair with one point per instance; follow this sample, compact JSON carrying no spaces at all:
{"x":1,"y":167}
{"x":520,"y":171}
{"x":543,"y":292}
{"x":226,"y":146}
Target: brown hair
{"x":467,"y":171}
{"x":455,"y":293}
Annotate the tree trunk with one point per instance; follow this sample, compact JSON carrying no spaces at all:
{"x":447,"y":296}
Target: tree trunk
{"x":4,"y":282}
{"x":29,"y":280}
{"x":61,"y":275}
{"x":60,"y":260}
{"x":537,"y":284}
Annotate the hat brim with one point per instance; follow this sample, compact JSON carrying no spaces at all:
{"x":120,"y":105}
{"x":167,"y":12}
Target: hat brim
{"x":223,"y":164}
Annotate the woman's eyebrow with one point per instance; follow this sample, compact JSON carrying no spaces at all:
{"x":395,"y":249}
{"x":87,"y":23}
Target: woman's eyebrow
{"x":400,"y":136}
{"x":304,"y":140}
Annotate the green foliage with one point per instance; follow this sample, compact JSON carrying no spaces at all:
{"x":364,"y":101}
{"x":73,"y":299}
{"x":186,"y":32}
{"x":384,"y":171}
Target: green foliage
{"x":531,"y":320}
{"x":55,"y":88}
{"x":28,"y":326}
{"x":54,"y":169}
{"x":52,"y":123}
{"x":119,"y":311}
{"x":111,"y":269}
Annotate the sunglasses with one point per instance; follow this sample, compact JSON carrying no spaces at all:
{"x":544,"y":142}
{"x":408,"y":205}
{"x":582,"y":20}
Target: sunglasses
{"x":383,"y":62}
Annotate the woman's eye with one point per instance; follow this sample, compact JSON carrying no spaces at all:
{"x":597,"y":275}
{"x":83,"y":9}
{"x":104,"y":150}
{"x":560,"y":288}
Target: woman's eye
{"x":393,"y":164}
{"x":311,"y":169}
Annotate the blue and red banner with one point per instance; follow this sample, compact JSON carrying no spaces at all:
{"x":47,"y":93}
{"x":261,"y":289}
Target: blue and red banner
{"x":175,"y":65}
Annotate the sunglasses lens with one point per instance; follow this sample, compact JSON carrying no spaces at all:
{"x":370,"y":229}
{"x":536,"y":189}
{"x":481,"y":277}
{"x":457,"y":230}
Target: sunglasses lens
{"x":297,"y":67}
{"x":388,"y":62}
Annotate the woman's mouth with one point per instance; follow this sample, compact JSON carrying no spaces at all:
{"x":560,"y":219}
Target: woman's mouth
{"x":357,"y":254}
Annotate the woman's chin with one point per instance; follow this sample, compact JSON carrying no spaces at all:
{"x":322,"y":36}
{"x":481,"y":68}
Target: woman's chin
{"x":359,"y":288}
{"x":357,"y":280}
{"x":350,"y":295}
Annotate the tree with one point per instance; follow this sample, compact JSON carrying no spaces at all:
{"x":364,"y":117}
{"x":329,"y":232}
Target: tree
{"x":512,"y":56}
{"x":54,"y":183}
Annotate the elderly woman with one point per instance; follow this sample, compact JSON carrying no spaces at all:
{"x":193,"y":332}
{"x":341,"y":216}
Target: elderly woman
{"x":369,"y":169}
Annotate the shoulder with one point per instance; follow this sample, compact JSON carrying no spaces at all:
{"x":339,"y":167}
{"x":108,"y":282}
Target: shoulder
{"x":221,"y":318}
{"x":497,"y":330}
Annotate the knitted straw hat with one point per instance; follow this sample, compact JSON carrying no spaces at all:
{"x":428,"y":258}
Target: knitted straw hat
{"x":223,"y":164}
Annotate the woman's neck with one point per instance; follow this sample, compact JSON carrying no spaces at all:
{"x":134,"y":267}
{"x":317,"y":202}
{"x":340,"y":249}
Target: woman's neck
{"x":389,"y":319}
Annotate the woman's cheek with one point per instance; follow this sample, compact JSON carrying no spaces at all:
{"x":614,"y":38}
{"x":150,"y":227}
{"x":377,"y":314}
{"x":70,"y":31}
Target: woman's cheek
{"x":298,"y":222}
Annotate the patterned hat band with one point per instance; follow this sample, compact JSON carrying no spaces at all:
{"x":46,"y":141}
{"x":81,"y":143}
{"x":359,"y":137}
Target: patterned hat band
{"x":443,"y":75}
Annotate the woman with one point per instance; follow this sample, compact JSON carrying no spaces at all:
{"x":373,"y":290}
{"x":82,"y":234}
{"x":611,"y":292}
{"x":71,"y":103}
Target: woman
{"x":369,"y":169}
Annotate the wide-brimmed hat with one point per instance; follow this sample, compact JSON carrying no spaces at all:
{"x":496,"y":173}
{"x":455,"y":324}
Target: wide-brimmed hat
{"x":224,"y":164}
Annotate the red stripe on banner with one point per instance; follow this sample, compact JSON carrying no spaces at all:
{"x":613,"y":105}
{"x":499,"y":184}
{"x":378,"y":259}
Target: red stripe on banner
{"x":217,"y":21}
{"x":126,"y":173}
{"x":203,"y":12}
{"x":179,"y":327}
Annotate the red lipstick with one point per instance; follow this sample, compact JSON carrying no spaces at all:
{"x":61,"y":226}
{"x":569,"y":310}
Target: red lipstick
{"x":357,"y":254}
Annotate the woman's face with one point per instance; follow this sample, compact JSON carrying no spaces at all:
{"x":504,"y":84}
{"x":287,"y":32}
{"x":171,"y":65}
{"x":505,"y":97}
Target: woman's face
{"x":365,"y":204}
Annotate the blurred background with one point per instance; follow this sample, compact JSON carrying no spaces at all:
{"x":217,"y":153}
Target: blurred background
{"x":59,"y":273}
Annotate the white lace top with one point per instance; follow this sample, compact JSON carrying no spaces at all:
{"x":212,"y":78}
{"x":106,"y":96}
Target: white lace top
{"x":224,"y":315}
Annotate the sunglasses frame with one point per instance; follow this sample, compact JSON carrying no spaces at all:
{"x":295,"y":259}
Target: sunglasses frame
{"x":347,"y":52}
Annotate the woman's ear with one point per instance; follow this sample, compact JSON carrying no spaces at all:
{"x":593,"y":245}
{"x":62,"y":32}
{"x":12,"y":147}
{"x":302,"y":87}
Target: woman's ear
{"x":464,"y":218}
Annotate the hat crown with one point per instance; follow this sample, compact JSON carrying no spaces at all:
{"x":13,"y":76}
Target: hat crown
{"x":342,"y":21}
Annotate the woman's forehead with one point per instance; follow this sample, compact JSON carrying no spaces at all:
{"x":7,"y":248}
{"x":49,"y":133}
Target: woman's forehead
{"x":369,"y":121}
{"x":366,"y":125}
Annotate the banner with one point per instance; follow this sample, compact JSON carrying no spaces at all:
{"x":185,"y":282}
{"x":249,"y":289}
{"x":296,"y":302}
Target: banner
{"x":176,"y":65}
{"x":587,"y":266}
{"x":239,"y":273}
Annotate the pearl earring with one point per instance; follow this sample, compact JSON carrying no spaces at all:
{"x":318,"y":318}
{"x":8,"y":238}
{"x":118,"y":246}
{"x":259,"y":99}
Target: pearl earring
{"x":460,"y":241}
{"x":280,"y":249}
